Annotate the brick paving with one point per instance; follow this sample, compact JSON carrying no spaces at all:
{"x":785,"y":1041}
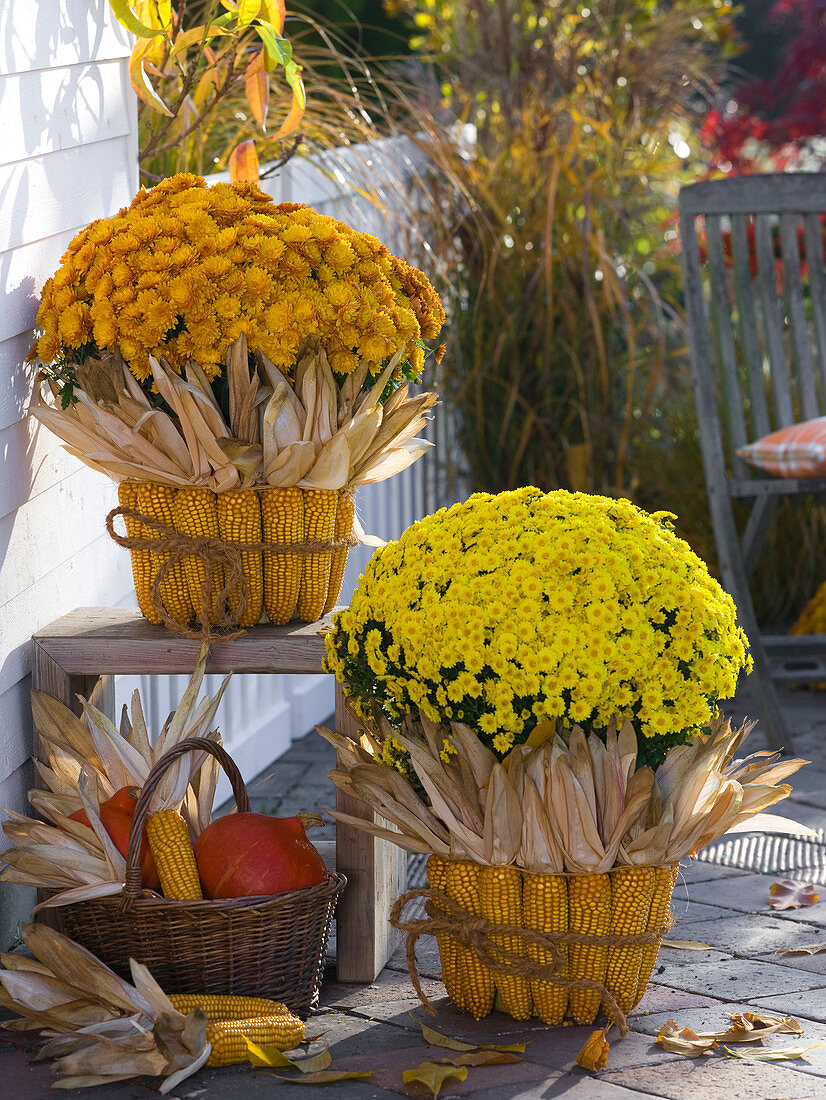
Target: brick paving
{"x":376,"y":1027}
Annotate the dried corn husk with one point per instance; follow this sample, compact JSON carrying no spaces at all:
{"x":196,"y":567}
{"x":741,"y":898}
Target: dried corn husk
{"x":562,"y":801}
{"x":85,"y":762}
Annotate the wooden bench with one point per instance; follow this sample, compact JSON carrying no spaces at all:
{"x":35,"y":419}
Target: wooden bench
{"x":74,"y":652}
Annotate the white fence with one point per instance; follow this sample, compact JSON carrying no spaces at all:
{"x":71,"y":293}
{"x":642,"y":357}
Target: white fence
{"x":261,"y":715}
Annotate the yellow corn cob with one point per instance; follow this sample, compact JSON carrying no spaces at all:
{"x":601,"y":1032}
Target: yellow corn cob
{"x":631,"y":889}
{"x":158,"y":501}
{"x":589,"y":913}
{"x":282,"y":519}
{"x":168,"y":836}
{"x":545,"y":909}
{"x":319,"y":524}
{"x":219,"y":1007}
{"x":436,"y":876}
{"x":228,"y":1038}
{"x":345,"y":515}
{"x":239,"y":520}
{"x":500,"y":899}
{"x":664,"y":879}
{"x":196,"y":515}
{"x":474,"y":979}
{"x":141,"y":559}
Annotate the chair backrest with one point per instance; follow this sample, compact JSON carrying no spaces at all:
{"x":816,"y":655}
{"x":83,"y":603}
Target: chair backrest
{"x":755,"y":287}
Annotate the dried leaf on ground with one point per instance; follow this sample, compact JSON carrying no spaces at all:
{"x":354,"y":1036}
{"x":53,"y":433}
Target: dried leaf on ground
{"x":677,"y":1040}
{"x":747,"y":1021}
{"x":771,"y":1054}
{"x":482,"y":1058}
{"x":325,"y":1076}
{"x":792,"y":895}
{"x":433,"y":1075}
{"x":439,"y":1039}
{"x":804,"y":949}
{"x":687,"y":945}
{"x":594,"y":1055}
{"x":271,"y":1056}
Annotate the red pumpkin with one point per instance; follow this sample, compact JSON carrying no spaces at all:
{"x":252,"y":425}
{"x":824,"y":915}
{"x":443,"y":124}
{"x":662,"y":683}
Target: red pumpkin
{"x":250,"y":855}
{"x":116,"y":818}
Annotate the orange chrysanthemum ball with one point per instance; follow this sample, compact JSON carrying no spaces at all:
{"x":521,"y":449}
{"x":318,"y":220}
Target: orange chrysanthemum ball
{"x":188,"y":267}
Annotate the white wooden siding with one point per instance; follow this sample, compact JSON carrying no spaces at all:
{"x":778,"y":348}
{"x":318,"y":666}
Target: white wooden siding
{"x":68,"y":154}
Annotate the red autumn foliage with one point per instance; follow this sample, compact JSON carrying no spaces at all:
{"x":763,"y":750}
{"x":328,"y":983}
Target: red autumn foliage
{"x":781,"y":113}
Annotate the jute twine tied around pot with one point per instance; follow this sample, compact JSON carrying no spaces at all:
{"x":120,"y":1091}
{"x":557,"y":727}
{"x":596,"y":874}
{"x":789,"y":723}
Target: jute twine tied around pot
{"x":215,"y":553}
{"x":445,"y":915}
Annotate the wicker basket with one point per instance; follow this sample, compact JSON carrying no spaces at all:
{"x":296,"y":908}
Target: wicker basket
{"x":276,"y":585}
{"x":548,"y":904}
{"x":262,"y":947}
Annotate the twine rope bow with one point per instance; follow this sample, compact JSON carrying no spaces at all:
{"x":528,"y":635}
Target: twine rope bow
{"x":224,"y":556}
{"x":446,"y":915}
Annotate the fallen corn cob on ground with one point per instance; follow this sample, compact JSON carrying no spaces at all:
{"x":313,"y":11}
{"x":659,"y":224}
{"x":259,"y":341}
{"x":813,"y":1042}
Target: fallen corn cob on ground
{"x":278,"y":585}
{"x":626,"y":901}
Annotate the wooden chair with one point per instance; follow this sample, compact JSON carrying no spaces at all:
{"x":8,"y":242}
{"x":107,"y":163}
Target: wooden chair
{"x":755,"y":294}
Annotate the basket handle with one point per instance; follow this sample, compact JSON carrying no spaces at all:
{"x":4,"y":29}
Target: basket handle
{"x":132,"y":888}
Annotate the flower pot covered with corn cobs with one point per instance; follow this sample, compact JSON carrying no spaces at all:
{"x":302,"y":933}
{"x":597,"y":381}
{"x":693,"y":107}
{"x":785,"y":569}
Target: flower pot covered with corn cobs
{"x":239,"y":367}
{"x":536,"y":676}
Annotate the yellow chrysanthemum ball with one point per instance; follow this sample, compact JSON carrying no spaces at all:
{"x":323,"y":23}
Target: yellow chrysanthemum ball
{"x":187,"y":267}
{"x":510,"y":610}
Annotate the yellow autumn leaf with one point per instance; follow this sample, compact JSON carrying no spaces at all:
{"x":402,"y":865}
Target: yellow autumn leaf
{"x":433,"y":1076}
{"x":271,"y":1056}
{"x":257,"y":91}
{"x":296,"y":113}
{"x":325,"y":1076}
{"x":140,"y":81}
{"x":439,"y":1039}
{"x":594,"y":1054}
{"x":687,"y":945}
{"x":771,"y":1054}
{"x":804,"y":949}
{"x":677,"y":1040}
{"x":243,"y":163}
{"x":789,"y":894}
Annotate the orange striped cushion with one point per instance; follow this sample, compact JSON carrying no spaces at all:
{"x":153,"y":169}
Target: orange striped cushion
{"x":797,"y":451}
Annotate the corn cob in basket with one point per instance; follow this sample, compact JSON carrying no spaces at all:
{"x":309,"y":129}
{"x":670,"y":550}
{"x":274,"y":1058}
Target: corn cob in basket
{"x":519,"y":843}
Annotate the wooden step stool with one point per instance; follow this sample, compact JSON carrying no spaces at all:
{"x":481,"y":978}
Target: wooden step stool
{"x":74,"y":652}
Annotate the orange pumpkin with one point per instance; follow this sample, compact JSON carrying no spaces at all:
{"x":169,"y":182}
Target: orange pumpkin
{"x":250,"y":855}
{"x":116,"y":818}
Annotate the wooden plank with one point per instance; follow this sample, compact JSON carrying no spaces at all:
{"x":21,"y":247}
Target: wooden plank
{"x":376,"y":875}
{"x":16,"y":379}
{"x":762,"y":486}
{"x":772,"y":320}
{"x":101,"y":572}
{"x":23,"y":271}
{"x":721,"y":311}
{"x":86,"y":498}
{"x":60,"y":108}
{"x":813,"y":234}
{"x":803,"y":364}
{"x":43,"y":195}
{"x":34,"y":461}
{"x":747,"y":326}
{"x":119,"y":640}
{"x":60,"y":32}
{"x":767,"y":193}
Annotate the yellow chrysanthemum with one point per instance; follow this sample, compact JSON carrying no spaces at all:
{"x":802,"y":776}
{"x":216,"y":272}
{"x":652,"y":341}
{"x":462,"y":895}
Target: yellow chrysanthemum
{"x":607,"y":613}
{"x":187,"y":267}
